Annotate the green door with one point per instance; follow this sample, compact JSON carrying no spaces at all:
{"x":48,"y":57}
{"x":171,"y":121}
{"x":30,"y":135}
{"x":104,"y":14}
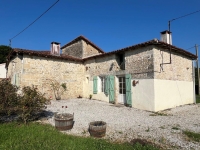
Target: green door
{"x":128,"y":89}
{"x":111,"y":89}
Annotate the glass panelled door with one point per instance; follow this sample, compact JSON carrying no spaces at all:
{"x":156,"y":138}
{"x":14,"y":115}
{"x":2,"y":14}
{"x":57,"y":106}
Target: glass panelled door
{"x":122,"y":90}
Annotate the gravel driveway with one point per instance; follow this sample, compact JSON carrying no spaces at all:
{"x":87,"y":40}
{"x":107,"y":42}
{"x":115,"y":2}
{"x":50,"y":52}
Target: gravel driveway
{"x":124,"y":123}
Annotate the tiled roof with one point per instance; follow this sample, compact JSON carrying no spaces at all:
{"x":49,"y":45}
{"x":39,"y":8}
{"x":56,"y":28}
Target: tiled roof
{"x":86,"y":40}
{"x":154,"y":42}
{"x":44,"y":54}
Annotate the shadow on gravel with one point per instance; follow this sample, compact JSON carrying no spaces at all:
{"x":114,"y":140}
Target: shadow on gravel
{"x":45,"y":115}
{"x":4,"y":118}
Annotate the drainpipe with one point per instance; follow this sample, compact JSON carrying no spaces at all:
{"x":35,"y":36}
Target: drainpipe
{"x":170,"y":48}
{"x":193,"y":75}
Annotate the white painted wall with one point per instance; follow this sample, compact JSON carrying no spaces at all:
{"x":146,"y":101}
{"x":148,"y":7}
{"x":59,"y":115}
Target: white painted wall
{"x":143,"y":94}
{"x":170,"y":93}
{"x":100,"y":95}
{"x":2,"y":70}
{"x":155,"y":94}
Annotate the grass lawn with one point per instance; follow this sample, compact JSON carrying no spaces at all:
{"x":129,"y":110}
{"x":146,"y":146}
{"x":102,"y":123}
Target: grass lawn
{"x":192,"y":135}
{"x":35,"y":136}
{"x":197,"y":98}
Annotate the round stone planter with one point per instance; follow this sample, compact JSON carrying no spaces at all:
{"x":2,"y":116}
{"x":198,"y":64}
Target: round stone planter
{"x":97,"y":129}
{"x":64,"y":121}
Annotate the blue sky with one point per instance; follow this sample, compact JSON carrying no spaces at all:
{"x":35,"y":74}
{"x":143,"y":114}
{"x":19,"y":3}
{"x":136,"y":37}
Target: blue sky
{"x":110,"y":24}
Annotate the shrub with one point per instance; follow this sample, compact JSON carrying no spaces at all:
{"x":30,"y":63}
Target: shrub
{"x":30,"y":104}
{"x":8,"y":97}
{"x":57,"y":88}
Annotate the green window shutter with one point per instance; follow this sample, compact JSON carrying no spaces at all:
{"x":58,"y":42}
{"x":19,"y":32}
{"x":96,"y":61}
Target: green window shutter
{"x":128,"y":89}
{"x":107,"y":85}
{"x":111,"y":89}
{"x":13,"y":79}
{"x":95,"y":85}
{"x":17,"y":79}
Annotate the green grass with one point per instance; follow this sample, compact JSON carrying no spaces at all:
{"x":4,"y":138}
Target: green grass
{"x":192,"y":135}
{"x":175,"y":128}
{"x":35,"y":136}
{"x":197,"y":98}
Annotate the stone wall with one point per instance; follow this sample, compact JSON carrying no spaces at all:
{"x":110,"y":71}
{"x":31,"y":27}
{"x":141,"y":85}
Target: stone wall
{"x":15,"y":69}
{"x":180,"y":68}
{"x":140,"y":63}
{"x":101,"y":66}
{"x":76,"y":49}
{"x":98,"y":67}
{"x":89,"y":50}
{"x":37,"y":71}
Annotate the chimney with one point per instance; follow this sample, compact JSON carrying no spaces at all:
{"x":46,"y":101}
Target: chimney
{"x":166,"y":37}
{"x":55,"y":48}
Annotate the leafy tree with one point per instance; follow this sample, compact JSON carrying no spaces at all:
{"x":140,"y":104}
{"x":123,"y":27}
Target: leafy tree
{"x":4,"y":51}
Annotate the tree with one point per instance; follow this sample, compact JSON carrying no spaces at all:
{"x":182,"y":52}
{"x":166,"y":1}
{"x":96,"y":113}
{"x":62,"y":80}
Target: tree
{"x":4,"y":51}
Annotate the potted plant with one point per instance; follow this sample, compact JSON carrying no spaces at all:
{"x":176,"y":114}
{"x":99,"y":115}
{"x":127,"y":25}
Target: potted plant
{"x":58,"y":88}
{"x":90,"y":96}
{"x":64,"y":121}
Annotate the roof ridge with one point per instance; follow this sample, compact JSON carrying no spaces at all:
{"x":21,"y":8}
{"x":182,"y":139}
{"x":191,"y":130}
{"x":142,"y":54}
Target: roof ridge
{"x":150,"y":42}
{"x":83,"y":38}
{"x":45,"y":54}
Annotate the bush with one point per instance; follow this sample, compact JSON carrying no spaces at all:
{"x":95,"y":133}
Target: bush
{"x":30,"y":104}
{"x":57,"y":88}
{"x":8,"y":97}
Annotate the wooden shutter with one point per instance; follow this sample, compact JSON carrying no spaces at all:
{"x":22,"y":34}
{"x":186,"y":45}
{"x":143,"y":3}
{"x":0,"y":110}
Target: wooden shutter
{"x":111,"y":89}
{"x":13,"y":79}
{"x":17,"y":79}
{"x":128,"y":89}
{"x":95,"y":85}
{"x":106,"y":85}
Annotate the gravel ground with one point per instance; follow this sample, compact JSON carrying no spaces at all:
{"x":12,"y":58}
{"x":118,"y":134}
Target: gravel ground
{"x":125,"y":124}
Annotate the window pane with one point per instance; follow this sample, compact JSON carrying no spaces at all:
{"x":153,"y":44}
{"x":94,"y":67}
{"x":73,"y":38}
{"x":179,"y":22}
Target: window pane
{"x":120,"y":85}
{"x":124,"y":85}
{"x":120,"y":91}
{"x":120,"y":79}
{"x":124,"y":91}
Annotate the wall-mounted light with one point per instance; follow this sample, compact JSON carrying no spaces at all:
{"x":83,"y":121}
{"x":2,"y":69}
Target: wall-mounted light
{"x":135,"y":82}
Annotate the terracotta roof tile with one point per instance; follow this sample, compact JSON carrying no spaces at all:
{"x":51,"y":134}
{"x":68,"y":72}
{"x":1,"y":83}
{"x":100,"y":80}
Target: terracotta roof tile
{"x":86,"y":40}
{"x":44,"y":54}
{"x":152,"y":42}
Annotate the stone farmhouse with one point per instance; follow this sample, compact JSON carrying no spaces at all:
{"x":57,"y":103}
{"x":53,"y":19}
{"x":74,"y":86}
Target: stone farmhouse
{"x":153,"y":76}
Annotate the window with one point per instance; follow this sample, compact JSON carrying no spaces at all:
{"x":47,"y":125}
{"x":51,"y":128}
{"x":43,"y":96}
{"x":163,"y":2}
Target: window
{"x":121,"y":60}
{"x":102,"y":84}
{"x":122,"y":85}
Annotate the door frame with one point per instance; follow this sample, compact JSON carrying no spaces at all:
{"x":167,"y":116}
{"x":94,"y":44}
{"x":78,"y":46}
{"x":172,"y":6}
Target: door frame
{"x":118,"y":96}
